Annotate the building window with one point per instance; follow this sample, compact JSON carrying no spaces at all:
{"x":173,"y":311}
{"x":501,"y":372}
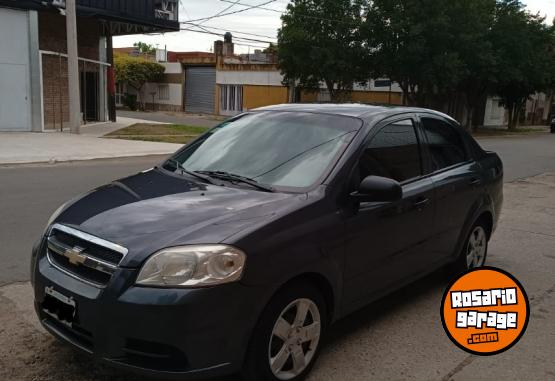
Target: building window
{"x":231,"y":99}
{"x":164,"y":92}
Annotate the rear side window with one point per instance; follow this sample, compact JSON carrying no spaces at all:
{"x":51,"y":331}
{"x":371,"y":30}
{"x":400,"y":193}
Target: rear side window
{"x":445,"y":143}
{"x":393,"y":153}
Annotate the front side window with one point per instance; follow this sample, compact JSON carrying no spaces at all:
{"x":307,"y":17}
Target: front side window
{"x":283,"y":149}
{"x":444,"y":142}
{"x":393,"y":153}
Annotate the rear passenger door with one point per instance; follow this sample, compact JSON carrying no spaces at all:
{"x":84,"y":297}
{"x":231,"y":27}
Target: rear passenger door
{"x":457,"y":180}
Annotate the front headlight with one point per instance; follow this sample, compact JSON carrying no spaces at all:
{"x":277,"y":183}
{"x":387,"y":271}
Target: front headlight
{"x":193,"y":266}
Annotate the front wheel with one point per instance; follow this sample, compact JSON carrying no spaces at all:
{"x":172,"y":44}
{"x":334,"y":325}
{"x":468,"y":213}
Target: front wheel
{"x":286,"y":341}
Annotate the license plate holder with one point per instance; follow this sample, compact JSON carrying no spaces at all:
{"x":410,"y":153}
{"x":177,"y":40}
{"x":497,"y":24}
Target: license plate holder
{"x":59,"y":306}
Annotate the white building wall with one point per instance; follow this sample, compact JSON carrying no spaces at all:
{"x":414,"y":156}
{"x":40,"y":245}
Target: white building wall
{"x":173,"y":67}
{"x":260,"y":78}
{"x":175,"y":90}
{"x":495,"y":114}
{"x":371,"y":86}
{"x":175,"y":93}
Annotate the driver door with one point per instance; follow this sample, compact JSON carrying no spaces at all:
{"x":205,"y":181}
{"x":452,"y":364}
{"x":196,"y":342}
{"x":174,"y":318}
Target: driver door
{"x":388,"y":243}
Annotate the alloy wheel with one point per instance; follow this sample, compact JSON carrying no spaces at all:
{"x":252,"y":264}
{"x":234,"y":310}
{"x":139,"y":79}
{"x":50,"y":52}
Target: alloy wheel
{"x":476,"y":248}
{"x":295,"y":338}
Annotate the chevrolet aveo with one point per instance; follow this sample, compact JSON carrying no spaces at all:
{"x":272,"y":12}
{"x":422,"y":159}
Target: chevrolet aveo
{"x":237,"y":253}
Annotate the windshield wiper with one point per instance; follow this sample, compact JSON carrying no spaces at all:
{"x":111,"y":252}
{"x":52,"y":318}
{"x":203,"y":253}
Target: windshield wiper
{"x":237,"y":178}
{"x":198,"y":175}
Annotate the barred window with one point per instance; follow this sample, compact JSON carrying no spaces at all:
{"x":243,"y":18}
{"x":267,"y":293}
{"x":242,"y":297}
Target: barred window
{"x":164,"y":92}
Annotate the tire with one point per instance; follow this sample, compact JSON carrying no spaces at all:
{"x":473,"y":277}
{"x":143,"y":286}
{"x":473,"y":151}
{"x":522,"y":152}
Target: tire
{"x":278,"y":341}
{"x":475,"y":249}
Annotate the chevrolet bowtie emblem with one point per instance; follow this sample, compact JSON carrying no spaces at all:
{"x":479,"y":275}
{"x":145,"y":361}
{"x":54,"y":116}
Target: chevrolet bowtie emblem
{"x":74,"y":255}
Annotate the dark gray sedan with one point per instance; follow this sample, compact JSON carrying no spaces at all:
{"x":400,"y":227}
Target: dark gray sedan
{"x":238,"y":252}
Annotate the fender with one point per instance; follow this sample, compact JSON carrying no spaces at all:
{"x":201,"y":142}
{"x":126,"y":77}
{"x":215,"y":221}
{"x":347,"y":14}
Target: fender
{"x":482,"y":205}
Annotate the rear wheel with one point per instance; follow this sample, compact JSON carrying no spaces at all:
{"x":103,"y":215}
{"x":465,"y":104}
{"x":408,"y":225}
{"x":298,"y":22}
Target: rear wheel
{"x":475,"y":249}
{"x":287,"y":339}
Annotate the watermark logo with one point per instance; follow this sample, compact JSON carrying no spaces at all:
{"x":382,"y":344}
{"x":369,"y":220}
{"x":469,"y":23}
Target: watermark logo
{"x":485,"y":311}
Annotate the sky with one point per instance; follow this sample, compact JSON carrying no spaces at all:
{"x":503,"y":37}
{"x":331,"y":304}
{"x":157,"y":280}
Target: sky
{"x":262,"y":22}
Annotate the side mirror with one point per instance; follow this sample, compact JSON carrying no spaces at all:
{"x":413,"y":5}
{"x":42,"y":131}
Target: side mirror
{"x":378,"y":189}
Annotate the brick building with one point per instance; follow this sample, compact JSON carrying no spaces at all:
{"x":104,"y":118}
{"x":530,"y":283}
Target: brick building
{"x":33,"y":60}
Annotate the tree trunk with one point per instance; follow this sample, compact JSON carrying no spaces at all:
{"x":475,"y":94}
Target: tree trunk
{"x":513,"y":117}
{"x":139,"y":97}
{"x":469,"y":117}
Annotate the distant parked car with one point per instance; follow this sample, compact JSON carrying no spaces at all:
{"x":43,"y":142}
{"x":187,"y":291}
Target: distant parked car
{"x":238,"y":252}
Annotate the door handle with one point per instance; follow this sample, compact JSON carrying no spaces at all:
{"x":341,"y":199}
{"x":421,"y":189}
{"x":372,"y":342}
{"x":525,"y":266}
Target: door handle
{"x":475,"y":181}
{"x":421,"y":203}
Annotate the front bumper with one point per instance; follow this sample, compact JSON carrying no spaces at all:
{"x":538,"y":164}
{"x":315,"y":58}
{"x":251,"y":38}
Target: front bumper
{"x":170,"y":333}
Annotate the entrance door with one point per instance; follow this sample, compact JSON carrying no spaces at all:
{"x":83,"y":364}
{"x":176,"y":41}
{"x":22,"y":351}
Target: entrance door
{"x":14,"y":100}
{"x":200,"y":89}
{"x":14,"y":71}
{"x":89,"y":95}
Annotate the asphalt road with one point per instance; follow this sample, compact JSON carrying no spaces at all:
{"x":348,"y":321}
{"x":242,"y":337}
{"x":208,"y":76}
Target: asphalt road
{"x":29,"y":194}
{"x":398,"y":338}
{"x":524,"y":156}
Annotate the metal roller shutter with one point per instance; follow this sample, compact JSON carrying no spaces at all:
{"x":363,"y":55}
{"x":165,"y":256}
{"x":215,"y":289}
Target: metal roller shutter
{"x":200,"y":87}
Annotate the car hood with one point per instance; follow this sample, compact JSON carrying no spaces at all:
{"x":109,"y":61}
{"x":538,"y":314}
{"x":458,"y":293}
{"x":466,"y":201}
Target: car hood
{"x":156,"y":209}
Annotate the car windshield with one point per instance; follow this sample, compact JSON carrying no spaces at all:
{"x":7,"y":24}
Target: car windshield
{"x":284,"y":149}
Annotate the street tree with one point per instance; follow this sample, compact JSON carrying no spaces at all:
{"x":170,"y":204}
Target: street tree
{"x":319,"y":42}
{"x":145,"y":48}
{"x":524,"y":47}
{"x":136,"y":72}
{"x":434,"y":50}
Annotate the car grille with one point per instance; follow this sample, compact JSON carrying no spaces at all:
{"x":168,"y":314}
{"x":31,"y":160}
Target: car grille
{"x":83,"y":256}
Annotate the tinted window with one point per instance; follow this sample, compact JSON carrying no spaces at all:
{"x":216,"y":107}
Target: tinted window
{"x":393,"y":152}
{"x":445,"y":143}
{"x":288,"y":149}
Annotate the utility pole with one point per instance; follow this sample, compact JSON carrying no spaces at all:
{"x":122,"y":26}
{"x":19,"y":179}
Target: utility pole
{"x":73,"y":68}
{"x":111,"y":79}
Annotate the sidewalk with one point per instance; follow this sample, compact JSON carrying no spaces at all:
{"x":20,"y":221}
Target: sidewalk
{"x":50,"y":147}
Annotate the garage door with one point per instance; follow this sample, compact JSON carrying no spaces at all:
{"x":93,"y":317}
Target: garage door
{"x":200,"y":89}
{"x":14,"y":71}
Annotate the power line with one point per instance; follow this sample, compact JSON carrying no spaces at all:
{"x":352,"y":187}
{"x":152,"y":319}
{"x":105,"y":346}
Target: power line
{"x":249,"y":7}
{"x":227,"y":30}
{"x":220,"y":35}
{"x":261,"y":7}
{"x":233,"y":3}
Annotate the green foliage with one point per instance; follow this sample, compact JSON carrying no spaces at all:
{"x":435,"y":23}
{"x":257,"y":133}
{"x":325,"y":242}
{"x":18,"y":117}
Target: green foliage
{"x":319,"y":42}
{"x":130,"y":101}
{"x":525,"y":51}
{"x":135,"y":72}
{"x":447,"y":55}
{"x":442,"y":52}
{"x":145,"y":48}
{"x":438,"y":51}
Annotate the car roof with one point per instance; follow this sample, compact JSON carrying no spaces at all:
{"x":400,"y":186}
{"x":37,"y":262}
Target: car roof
{"x":358,"y":110}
